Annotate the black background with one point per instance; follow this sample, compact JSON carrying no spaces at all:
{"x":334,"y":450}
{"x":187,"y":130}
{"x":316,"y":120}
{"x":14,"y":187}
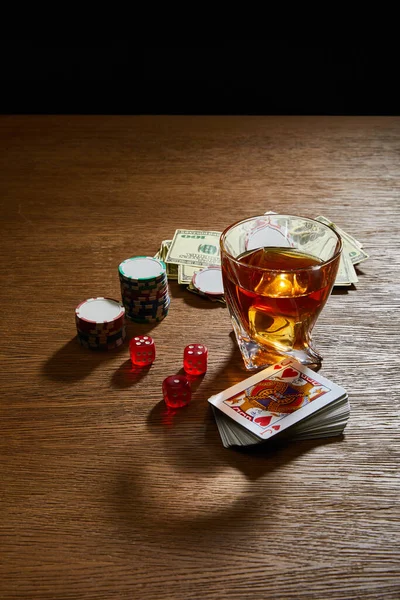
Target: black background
{"x":245,"y":78}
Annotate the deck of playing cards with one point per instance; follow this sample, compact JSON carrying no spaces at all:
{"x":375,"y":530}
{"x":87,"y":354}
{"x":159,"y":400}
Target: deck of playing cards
{"x":284,"y":400}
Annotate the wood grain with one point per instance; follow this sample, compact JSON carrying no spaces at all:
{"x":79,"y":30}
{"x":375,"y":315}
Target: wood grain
{"x":104,"y":494}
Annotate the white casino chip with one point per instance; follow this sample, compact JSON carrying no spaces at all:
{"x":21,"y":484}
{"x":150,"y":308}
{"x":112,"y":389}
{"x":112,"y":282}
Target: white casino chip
{"x":267,"y":236}
{"x":142,"y":268}
{"x":209,"y":281}
{"x":100,"y":310}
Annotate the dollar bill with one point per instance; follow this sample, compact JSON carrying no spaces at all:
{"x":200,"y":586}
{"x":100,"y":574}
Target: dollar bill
{"x":351,"y":246}
{"x":191,"y":288}
{"x":356,"y":254}
{"x":186,"y":272}
{"x":352,"y":254}
{"x":165,"y":244}
{"x":172,"y":271}
{"x":161,"y":254}
{"x":346,"y":274}
{"x":194,"y":247}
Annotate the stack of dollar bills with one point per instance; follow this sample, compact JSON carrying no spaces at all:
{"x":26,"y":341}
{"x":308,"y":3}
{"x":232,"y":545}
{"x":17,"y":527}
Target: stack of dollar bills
{"x":352,"y":254}
{"x":191,"y":250}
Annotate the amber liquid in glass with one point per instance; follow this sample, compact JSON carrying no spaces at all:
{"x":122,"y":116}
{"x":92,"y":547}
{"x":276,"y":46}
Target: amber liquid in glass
{"x":278,"y":307}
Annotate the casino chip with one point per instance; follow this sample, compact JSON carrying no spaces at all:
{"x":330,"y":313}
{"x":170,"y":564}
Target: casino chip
{"x":208,"y":281}
{"x":100,"y":323}
{"x":268,"y":234}
{"x":144,"y":289}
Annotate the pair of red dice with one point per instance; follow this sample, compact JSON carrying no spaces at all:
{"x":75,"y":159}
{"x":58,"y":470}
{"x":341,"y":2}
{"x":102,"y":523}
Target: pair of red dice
{"x":143,"y":354}
{"x":176,"y":388}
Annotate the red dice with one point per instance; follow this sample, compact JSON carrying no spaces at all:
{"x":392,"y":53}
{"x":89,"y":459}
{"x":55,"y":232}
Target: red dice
{"x":142,"y":350}
{"x":176,"y":391}
{"x":195,"y":359}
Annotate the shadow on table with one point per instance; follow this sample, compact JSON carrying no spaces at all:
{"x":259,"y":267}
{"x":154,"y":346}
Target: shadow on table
{"x":72,"y":362}
{"x":196,"y":484}
{"x":342,"y":291}
{"x":128,"y":374}
{"x":207,"y":490}
{"x":174,"y":425}
{"x":194,"y":300}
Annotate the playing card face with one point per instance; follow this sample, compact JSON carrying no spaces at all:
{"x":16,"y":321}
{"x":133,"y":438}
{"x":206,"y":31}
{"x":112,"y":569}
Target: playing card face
{"x":278,"y":397}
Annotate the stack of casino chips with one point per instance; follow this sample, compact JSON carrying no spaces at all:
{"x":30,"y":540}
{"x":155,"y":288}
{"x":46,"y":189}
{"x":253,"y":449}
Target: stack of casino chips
{"x":100,"y":323}
{"x":144,"y":289}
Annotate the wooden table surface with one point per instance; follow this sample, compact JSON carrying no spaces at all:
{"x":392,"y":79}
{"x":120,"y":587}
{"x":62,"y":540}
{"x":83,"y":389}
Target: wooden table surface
{"x":104,"y":495}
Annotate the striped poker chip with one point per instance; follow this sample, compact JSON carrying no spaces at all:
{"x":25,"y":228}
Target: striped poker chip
{"x":150,"y":316}
{"x":146,"y":303}
{"x":96,"y":339}
{"x":145,"y":290}
{"x":139,"y":296}
{"x":129,"y":293}
{"x":128,"y":297}
{"x":100,"y":343}
{"x":102,"y":339}
{"x":149,"y":312}
{"x":86,"y":328}
{"x":101,"y":347}
{"x":144,"y":320}
{"x":150,"y":290}
{"x":140,"y":303}
{"x":209,"y":281}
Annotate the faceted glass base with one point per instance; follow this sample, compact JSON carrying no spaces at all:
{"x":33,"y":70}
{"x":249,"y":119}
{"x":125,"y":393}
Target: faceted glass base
{"x":256,"y":356}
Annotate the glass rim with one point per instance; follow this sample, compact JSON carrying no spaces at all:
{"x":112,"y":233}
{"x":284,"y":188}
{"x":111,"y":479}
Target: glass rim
{"x":264,"y":269}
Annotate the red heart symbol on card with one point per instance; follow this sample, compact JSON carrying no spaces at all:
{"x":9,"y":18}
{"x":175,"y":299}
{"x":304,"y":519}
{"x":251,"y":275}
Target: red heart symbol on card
{"x":278,"y":367}
{"x":289,"y":373}
{"x":263,"y":421}
{"x":276,"y":427}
